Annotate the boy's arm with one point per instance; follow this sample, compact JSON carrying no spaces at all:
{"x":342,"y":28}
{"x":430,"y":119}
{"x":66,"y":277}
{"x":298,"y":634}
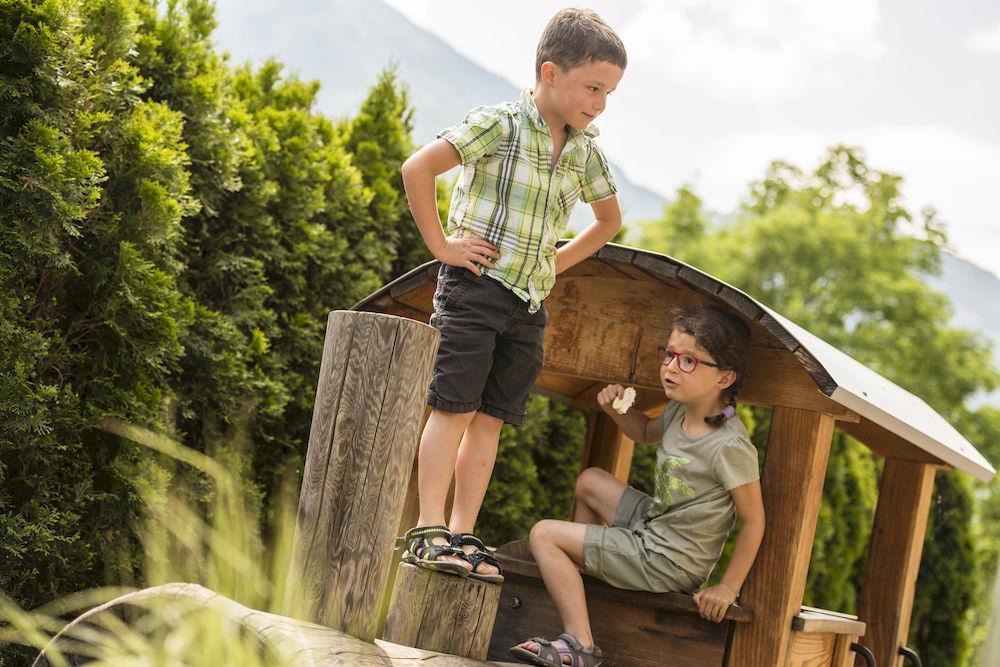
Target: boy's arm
{"x":608,"y":220}
{"x":419,"y":172}
{"x":635,"y":425}
{"x":713,"y":602}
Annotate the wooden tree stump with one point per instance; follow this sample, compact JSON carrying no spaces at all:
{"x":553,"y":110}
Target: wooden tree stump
{"x":373,"y":384}
{"x":442,"y":612}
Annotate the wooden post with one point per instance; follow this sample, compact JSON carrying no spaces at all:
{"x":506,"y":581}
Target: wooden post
{"x":894,"y":557}
{"x":606,"y":447}
{"x":372,"y":386}
{"x":442,"y":612}
{"x":798,"y":448}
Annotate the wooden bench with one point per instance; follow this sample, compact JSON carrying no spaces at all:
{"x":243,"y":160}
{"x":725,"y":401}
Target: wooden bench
{"x":821,"y":637}
{"x":631,"y":627}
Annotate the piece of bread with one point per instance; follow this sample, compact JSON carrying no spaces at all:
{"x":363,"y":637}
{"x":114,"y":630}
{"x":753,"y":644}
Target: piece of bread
{"x":624,"y":402}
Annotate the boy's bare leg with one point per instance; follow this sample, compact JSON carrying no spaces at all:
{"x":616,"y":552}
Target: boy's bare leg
{"x":476,"y":456}
{"x":558,"y":550}
{"x":435,"y":465}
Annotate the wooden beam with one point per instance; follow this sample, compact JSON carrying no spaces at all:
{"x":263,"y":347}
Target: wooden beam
{"x":798,"y":448}
{"x":894,"y":557}
{"x":606,"y":447}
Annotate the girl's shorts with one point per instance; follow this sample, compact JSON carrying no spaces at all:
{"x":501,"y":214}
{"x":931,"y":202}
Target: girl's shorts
{"x":616,"y":554}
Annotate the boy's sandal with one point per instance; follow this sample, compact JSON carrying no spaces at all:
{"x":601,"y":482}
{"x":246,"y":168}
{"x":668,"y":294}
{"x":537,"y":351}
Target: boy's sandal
{"x":420,"y":551}
{"x":478,"y":557}
{"x":551,"y":654}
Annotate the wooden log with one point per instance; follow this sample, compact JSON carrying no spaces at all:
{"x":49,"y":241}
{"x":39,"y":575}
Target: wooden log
{"x":373,"y":383}
{"x":894,"y":557}
{"x":292,"y":641}
{"x":442,"y":612}
{"x":798,"y":448}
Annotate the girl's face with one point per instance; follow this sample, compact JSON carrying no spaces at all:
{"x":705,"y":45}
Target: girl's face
{"x":703,"y":384}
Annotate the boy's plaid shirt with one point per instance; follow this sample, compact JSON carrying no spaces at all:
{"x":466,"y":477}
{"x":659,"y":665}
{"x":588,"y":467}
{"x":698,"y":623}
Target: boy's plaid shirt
{"x":508,"y":194}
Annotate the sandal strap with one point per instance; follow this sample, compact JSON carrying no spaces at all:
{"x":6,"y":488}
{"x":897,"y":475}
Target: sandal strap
{"x":478,"y":557}
{"x":418,"y":542}
{"x":468,"y":539}
{"x":578,"y":654}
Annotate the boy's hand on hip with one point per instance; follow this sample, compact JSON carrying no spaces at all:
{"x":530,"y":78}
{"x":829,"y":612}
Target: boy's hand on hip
{"x":713,"y":602}
{"x":607,"y":397}
{"x":467,"y":252}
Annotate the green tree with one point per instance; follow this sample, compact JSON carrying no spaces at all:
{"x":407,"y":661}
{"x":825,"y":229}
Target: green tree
{"x":93,"y":187}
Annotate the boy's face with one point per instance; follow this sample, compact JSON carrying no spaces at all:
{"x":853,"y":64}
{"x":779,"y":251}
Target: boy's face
{"x":580,"y":93}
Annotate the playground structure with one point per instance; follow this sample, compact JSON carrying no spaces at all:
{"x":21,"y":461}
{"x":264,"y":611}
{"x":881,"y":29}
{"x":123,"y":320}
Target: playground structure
{"x":606,"y":317}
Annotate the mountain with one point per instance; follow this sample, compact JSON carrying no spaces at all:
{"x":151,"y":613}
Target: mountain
{"x":975,"y":297}
{"x":345,"y":44}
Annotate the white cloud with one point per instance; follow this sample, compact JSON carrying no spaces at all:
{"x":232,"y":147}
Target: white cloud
{"x":985,"y":39}
{"x":760,"y":51}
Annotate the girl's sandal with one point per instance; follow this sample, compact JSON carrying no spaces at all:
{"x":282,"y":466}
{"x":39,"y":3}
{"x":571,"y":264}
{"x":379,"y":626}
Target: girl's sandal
{"x":479,"y":556}
{"x":420,"y":551}
{"x":550,"y":654}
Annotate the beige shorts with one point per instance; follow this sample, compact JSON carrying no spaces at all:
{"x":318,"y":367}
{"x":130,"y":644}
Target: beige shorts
{"x":617,"y":555}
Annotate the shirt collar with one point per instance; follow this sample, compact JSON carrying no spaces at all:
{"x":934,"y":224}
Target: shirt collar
{"x":576,"y":137}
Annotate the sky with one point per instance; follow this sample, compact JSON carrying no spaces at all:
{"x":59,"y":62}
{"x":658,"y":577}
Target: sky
{"x":716,"y":89}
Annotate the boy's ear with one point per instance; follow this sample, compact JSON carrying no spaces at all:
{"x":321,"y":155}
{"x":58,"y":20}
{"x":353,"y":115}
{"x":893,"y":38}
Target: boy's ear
{"x":549,"y":70}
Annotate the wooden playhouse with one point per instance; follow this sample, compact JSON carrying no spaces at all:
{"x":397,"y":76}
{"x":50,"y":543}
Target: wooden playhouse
{"x":606,"y":317}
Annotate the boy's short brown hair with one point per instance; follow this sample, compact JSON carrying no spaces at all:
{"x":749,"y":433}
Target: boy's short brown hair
{"x":577,"y":36}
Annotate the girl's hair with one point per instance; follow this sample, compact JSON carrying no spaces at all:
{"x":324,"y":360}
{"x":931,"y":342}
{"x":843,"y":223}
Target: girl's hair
{"x":724,"y":336}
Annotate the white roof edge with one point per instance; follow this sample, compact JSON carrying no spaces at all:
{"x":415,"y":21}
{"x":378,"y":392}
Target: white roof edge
{"x":970,"y":461}
{"x":888,"y":405}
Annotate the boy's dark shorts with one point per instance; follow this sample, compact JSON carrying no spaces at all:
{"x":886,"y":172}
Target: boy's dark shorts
{"x":491,"y":347}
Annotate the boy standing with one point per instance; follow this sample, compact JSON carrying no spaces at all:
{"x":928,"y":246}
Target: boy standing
{"x":524,"y":165}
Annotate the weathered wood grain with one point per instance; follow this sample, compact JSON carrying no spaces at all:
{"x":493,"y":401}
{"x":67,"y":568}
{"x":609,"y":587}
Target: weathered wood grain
{"x":441,"y":612}
{"x":372,"y":386}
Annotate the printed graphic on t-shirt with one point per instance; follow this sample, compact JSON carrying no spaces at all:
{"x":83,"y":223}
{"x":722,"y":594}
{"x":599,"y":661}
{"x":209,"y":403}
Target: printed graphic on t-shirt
{"x":669,"y":487}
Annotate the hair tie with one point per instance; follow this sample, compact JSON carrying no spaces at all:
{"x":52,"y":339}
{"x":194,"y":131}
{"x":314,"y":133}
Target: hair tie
{"x":728,"y":411}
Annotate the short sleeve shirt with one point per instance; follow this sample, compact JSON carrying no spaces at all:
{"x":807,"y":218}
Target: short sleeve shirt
{"x":509,"y":194}
{"x":692,"y":511}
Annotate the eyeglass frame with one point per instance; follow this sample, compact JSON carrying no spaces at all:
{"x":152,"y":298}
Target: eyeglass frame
{"x":662,"y":351}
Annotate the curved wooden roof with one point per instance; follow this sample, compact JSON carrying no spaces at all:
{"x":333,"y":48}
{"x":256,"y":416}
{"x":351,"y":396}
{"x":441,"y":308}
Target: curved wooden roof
{"x":608,"y":314}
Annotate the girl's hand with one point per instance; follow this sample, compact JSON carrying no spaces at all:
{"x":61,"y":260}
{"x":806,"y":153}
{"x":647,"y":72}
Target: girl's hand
{"x":608,"y":396}
{"x":466,"y":252}
{"x":713,"y":602}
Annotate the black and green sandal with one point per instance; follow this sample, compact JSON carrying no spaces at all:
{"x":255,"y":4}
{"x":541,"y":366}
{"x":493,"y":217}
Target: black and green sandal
{"x":479,"y":556}
{"x":420,"y":551}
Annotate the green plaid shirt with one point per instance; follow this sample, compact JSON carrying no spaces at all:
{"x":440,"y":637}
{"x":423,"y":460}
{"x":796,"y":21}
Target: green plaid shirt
{"x":509,"y":195}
